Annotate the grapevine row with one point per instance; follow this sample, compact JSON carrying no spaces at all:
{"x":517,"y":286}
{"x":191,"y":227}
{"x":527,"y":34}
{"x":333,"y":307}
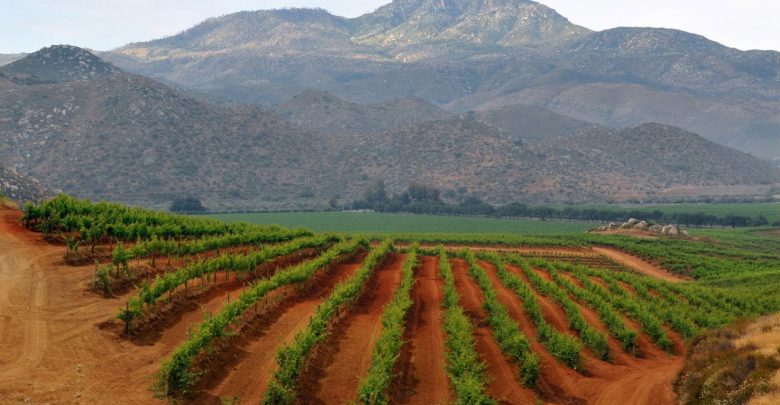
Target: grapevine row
{"x":176,"y":374}
{"x":465,"y":369}
{"x":592,"y":338}
{"x":172,"y":247}
{"x":650,"y":324}
{"x":373,"y":388}
{"x":608,"y":314}
{"x":562,"y":346}
{"x":510,"y":339}
{"x":149,"y":294}
{"x":293,"y":358}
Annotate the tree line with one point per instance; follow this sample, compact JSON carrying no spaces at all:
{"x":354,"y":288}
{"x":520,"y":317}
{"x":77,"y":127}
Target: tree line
{"x":423,"y":199}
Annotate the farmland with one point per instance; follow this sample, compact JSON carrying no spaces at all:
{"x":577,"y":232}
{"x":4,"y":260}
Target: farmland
{"x":381,"y":223}
{"x":196,"y":310}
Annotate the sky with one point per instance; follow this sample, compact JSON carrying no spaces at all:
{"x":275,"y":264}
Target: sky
{"x":28,"y":25}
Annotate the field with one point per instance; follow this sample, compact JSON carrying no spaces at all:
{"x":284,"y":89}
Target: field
{"x":155,"y":307}
{"x":380,"y":223}
{"x":769,"y":210}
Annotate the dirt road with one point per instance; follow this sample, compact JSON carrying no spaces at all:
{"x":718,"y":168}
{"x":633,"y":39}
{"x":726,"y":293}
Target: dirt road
{"x":639,"y":265}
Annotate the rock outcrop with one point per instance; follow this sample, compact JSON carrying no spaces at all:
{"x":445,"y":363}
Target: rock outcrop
{"x":633,"y":224}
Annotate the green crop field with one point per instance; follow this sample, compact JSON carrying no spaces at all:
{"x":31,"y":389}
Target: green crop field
{"x":377,"y":223}
{"x":720,"y":279}
{"x":769,"y":210}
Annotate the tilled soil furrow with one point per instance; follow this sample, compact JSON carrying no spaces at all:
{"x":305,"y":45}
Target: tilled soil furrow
{"x":422,"y":375}
{"x":252,"y":362}
{"x":344,"y":359}
{"x":504,"y":383}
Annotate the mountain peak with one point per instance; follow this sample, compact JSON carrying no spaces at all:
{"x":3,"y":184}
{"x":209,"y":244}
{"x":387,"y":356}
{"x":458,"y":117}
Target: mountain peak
{"x":56,"y":64}
{"x":505,"y":23}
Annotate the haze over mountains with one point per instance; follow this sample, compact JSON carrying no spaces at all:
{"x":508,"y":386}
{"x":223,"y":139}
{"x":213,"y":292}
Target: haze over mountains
{"x":505,"y":99}
{"x":474,"y":55}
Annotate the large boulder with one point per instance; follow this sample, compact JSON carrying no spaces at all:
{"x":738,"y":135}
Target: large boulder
{"x":641,"y":225}
{"x":657,"y":228}
{"x":670,"y":230}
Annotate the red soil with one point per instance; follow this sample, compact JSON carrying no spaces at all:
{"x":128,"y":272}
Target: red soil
{"x":552,"y":313}
{"x":651,"y":377}
{"x":204,"y":298}
{"x":57,"y":342}
{"x":50,"y":346}
{"x":504,"y":384}
{"x":247,"y":375}
{"x":346,"y":356}
{"x":422,"y":369}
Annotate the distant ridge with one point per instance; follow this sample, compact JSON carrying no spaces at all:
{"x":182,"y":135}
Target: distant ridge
{"x":466,"y":55}
{"x":119,"y":136}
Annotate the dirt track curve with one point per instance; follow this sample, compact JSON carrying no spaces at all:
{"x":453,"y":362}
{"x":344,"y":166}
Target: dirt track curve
{"x":639,"y":265}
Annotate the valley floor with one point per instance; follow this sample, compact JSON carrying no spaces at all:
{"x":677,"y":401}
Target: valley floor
{"x":59,"y":343}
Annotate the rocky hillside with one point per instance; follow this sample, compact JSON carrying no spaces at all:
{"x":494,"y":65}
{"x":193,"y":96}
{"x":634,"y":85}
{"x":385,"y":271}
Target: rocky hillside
{"x":465,"y":156}
{"x":21,"y":188}
{"x":532,"y":123}
{"x":457,"y":154}
{"x":641,"y":161}
{"x":322,"y":112}
{"x":57,"y":64}
{"x":479,"y":55}
{"x":124,"y":137}
{"x":507,"y":23}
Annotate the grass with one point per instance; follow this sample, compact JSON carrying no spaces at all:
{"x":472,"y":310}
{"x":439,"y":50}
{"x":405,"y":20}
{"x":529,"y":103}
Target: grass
{"x":381,"y":223}
{"x":6,"y":202}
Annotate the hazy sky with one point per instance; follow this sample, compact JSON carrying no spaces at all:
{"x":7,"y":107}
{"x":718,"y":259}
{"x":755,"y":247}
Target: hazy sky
{"x":27,"y":25}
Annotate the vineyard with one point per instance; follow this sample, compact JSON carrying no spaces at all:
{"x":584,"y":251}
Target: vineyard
{"x":191,"y":310}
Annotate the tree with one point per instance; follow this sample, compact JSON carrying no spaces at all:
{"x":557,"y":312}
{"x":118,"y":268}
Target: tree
{"x":376,"y":193}
{"x":187,"y":205}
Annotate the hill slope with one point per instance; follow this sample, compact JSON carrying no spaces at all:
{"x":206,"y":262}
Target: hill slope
{"x":21,"y":188}
{"x":125,"y":137}
{"x":477,"y":55}
{"x":532,"y":123}
{"x":322,"y":112}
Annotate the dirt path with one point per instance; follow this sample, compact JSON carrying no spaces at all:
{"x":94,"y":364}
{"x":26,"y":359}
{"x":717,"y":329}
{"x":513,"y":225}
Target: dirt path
{"x":504,"y":385}
{"x":653,"y":385}
{"x":349,"y":360}
{"x":639,"y":265}
{"x":256,"y":357}
{"x":51,"y":347}
{"x":424,"y":380}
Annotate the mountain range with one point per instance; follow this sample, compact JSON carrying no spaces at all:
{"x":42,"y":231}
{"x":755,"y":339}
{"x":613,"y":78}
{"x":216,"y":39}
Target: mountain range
{"x":467,"y":55}
{"x":289,"y":109}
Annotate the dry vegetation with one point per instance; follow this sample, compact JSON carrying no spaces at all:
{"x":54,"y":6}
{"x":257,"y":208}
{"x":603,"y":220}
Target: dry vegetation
{"x":734,"y":365}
